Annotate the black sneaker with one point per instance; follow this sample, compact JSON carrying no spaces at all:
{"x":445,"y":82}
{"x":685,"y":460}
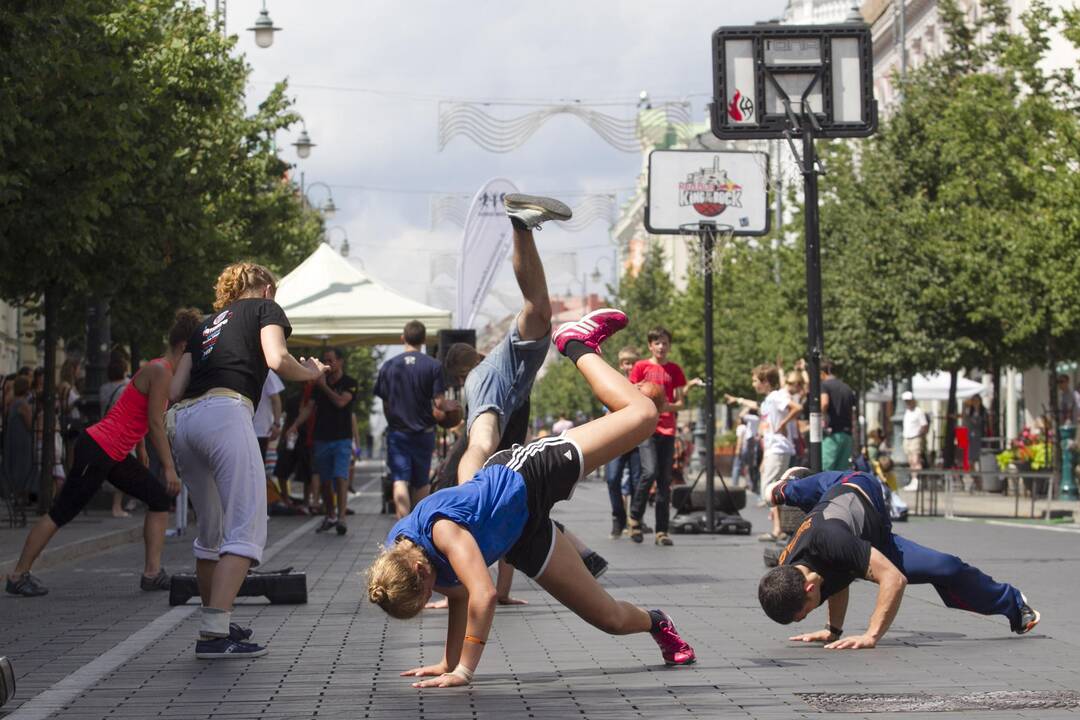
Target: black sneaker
{"x":1029,"y":617}
{"x":595,"y":564}
{"x":340,"y":528}
{"x":617,"y":529}
{"x":327,"y":524}
{"x":645,"y":529}
{"x":160,"y":581}
{"x":239,"y":634}
{"x":227,"y":648}
{"x":27,"y":585}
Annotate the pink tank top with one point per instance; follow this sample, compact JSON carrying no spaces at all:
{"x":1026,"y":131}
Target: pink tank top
{"x":126,"y":422}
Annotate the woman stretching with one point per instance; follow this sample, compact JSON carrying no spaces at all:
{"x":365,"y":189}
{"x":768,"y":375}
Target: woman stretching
{"x":103,"y":452}
{"x":452,"y":536}
{"x":220,"y":378}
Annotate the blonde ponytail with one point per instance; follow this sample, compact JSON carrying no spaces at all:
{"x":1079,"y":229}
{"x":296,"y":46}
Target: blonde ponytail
{"x":238,"y":280}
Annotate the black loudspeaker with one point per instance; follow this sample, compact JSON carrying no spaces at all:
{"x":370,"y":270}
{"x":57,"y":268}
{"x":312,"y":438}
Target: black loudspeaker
{"x":449,"y":337}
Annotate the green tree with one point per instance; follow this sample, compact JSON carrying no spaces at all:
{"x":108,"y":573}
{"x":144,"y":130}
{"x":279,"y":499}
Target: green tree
{"x":647,"y":297}
{"x":562,"y":390}
{"x":128,"y":169}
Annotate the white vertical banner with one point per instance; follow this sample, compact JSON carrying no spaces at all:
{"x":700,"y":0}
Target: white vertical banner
{"x":485,"y":243}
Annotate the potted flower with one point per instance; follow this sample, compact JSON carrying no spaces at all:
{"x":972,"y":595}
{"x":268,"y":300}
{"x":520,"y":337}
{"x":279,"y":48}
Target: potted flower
{"x":1029,"y":451}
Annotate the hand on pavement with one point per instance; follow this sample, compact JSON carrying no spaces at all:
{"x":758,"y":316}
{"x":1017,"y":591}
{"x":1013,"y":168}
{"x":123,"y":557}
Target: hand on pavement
{"x":822,"y":636}
{"x":427,"y":670}
{"x":853,"y":642}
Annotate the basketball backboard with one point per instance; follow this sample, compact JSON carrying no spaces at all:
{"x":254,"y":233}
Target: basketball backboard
{"x":826,"y":70}
{"x":688,"y":188}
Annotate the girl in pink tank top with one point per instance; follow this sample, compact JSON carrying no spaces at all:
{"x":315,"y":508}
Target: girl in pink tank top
{"x":102,"y":452}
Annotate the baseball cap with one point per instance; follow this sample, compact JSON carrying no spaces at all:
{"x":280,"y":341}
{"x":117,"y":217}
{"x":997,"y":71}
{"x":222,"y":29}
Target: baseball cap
{"x":908,"y":395}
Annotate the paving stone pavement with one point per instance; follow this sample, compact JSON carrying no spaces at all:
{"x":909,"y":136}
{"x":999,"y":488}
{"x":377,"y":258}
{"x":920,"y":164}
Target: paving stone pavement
{"x":339,"y":656}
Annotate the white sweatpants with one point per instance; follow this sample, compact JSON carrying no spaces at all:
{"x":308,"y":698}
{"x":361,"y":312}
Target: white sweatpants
{"x":218,"y":458}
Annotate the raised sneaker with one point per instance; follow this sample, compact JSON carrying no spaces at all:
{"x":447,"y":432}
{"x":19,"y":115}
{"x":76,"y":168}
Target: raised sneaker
{"x":592,"y":330}
{"x":595,"y":564}
{"x":1029,"y":617}
{"x":227,"y":648}
{"x":161,"y":581}
{"x":675,"y":650}
{"x":532,"y":211}
{"x":238,"y":633}
{"x":327,"y":524}
{"x":27,"y":585}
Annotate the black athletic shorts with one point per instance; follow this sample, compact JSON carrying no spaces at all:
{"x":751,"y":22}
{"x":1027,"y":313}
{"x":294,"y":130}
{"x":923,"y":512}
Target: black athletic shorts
{"x":91,"y":468}
{"x":552,"y":468}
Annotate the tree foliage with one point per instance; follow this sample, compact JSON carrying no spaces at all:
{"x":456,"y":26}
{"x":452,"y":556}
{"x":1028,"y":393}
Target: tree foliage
{"x":129,"y":169}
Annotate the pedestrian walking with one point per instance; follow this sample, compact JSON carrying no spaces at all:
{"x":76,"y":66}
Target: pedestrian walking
{"x":451,"y":537}
{"x":332,"y":399}
{"x":102,"y":453}
{"x":779,"y":413}
{"x":267,"y":420}
{"x":837,"y":405}
{"x":412,"y":390}
{"x":847,"y":535}
{"x":915,"y":428}
{"x":623,"y":474}
{"x":18,"y":460}
{"x":217,"y":381}
{"x":658,"y":450}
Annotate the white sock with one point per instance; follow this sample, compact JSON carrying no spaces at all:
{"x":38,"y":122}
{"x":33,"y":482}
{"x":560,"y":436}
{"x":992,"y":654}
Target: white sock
{"x":214,"y":623}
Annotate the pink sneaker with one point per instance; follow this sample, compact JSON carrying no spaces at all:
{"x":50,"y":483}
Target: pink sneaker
{"x":593,"y":329}
{"x":674,"y":649}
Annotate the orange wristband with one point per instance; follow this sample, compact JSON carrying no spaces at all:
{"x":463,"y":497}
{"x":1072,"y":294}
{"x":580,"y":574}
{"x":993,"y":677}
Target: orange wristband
{"x":472,"y":639}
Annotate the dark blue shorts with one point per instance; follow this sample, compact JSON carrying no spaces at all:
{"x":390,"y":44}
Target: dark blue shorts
{"x":332,"y":459}
{"x":409,"y":456}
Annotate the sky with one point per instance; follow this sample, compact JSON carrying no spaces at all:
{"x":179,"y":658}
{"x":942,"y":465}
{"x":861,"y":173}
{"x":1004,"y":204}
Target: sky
{"x":368,"y":78}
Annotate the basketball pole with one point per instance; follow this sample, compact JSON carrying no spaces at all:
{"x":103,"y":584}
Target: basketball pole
{"x":707,"y":233}
{"x":815,"y":334}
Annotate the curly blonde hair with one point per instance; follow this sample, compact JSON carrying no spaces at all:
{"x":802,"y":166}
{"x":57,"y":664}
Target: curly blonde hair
{"x":238,"y":280}
{"x":393,"y":583}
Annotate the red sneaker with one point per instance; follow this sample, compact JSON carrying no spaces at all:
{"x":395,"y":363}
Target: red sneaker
{"x":593,"y":329}
{"x":674,"y":649}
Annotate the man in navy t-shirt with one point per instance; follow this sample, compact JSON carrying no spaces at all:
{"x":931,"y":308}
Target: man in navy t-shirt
{"x":410,"y":384}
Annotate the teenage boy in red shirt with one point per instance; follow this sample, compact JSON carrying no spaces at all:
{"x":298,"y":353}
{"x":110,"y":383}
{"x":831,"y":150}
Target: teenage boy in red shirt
{"x":658,"y":451}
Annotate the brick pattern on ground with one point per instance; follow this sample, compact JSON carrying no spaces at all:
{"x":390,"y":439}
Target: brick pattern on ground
{"x":339,"y":656}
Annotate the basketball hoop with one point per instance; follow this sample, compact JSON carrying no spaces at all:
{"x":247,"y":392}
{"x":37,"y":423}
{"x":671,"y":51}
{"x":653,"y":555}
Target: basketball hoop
{"x":706,"y":261}
{"x":806,"y":82}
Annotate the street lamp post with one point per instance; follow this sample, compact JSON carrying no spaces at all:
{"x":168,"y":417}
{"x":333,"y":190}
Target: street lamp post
{"x":597,"y":276}
{"x":328,"y":208}
{"x":303,"y":144}
{"x":344,"y":248}
{"x":264,"y":27}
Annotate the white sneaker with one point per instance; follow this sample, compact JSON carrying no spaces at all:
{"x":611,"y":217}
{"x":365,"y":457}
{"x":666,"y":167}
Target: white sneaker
{"x":533,"y":210}
{"x":912,"y":486}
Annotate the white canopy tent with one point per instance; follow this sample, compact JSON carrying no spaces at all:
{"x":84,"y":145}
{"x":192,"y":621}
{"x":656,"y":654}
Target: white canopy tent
{"x":327,"y":299}
{"x":929,"y":388}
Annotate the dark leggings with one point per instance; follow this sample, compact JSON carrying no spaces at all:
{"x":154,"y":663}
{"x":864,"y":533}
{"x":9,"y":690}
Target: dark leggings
{"x":657,"y":454}
{"x":91,"y":468}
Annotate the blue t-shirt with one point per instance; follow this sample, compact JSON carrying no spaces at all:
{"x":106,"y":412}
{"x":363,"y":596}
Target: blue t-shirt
{"x":492,"y":506}
{"x":407,"y":384}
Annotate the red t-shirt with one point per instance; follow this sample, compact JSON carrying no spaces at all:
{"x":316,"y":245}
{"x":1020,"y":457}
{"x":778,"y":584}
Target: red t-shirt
{"x":669,"y":376}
